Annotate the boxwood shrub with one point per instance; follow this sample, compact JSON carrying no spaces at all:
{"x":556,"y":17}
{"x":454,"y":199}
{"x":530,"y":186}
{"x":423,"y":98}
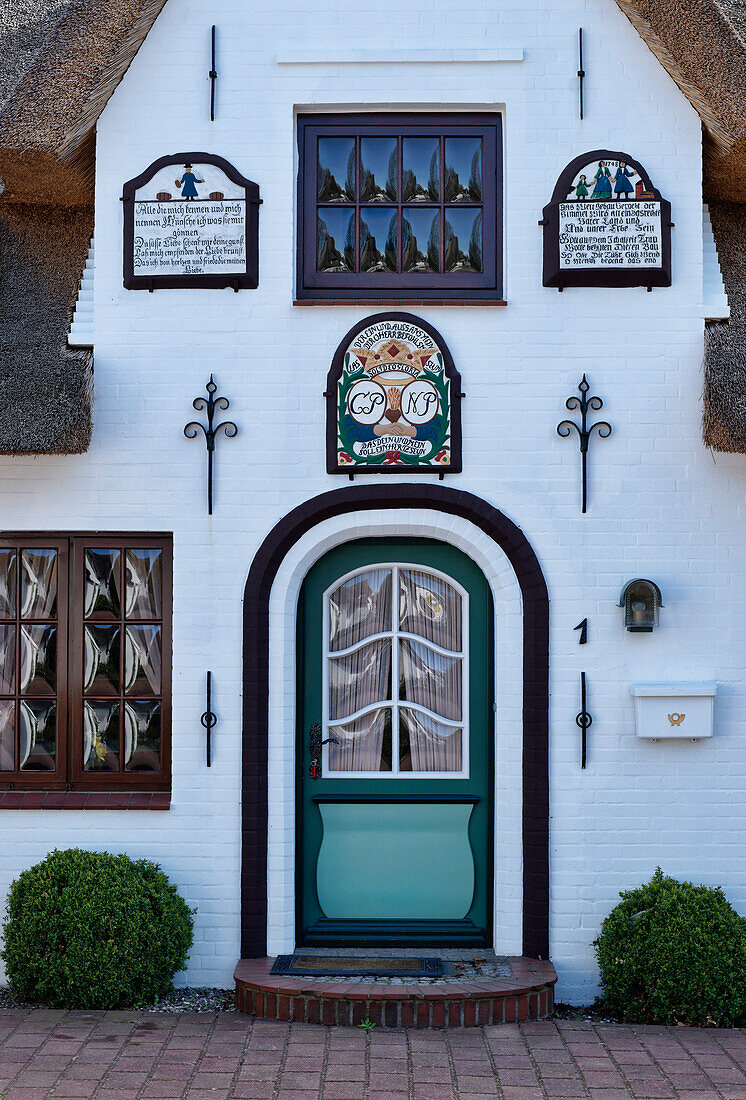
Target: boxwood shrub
{"x":671,"y":953}
{"x":94,"y":930}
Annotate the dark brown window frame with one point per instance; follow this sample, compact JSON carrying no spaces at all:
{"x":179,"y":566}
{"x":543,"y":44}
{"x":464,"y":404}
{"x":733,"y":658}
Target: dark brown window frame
{"x":382,"y":288}
{"x":69,"y":774}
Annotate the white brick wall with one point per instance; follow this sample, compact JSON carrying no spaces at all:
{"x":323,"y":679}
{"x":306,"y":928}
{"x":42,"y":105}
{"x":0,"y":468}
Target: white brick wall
{"x":659,"y":505}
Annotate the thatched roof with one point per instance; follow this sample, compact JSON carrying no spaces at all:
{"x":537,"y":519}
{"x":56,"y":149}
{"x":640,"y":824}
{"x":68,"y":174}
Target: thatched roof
{"x":45,"y":387}
{"x":60,"y":62}
{"x":724,"y":420}
{"x":702,"y":45}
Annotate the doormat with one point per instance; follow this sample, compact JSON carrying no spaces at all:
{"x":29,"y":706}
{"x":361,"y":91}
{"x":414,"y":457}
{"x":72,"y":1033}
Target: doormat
{"x":312,"y":966}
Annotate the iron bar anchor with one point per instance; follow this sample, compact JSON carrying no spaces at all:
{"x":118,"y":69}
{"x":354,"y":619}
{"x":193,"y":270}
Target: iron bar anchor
{"x":584,"y":403}
{"x":192,"y":429}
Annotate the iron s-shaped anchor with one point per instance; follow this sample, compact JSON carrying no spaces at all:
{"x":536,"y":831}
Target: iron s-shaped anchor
{"x":316,"y":745}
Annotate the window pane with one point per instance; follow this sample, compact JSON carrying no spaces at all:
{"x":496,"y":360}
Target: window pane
{"x":364,"y":745}
{"x":335,"y":242}
{"x":463,"y":175}
{"x":102,"y":584}
{"x":7,"y":660}
{"x":101,"y":667}
{"x":39,"y":584}
{"x":361,"y":678}
{"x":336,"y":171}
{"x":143,"y":584}
{"x":379,"y":169}
{"x":420,"y":240}
{"x":378,"y":240}
{"x":142,"y":736}
{"x":142,"y":660}
{"x":8,"y":581}
{"x":38,"y":735}
{"x":361,"y":606}
{"x":38,"y":660}
{"x":431,"y":607}
{"x":463,"y":239}
{"x":7,"y":735}
{"x":430,"y":679}
{"x":426,"y":745}
{"x":420,"y":169}
{"x":100,"y":736}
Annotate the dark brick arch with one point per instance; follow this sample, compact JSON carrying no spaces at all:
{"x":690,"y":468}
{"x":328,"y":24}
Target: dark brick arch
{"x":264,"y":568}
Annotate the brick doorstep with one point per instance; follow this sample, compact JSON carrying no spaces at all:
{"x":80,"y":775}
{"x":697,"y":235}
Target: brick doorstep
{"x":527,"y":995}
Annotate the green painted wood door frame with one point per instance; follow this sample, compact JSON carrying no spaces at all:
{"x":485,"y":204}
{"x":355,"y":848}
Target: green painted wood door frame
{"x":396,"y":803}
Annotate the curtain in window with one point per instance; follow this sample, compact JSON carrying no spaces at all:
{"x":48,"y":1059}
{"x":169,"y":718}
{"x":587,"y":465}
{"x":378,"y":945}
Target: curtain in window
{"x":358,"y":609}
{"x":431,"y":608}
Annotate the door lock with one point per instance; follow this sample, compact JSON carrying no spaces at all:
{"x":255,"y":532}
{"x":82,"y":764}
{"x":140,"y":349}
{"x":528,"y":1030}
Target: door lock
{"x":316,"y":745}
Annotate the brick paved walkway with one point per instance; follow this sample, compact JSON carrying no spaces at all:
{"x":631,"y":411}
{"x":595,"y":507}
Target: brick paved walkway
{"x":128,"y":1055}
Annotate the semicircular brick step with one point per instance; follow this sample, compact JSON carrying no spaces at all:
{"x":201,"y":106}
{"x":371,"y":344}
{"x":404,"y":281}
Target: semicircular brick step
{"x":528,"y":994}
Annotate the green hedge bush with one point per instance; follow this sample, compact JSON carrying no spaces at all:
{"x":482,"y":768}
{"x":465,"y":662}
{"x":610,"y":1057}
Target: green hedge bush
{"x":670,"y":953}
{"x":94,"y":930}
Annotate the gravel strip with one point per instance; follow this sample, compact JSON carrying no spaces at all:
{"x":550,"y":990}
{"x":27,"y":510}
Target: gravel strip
{"x":189,"y":999}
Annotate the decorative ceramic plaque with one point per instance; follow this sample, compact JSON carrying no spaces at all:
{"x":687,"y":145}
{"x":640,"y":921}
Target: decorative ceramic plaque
{"x":393,"y":400}
{"x":190,"y":220}
{"x":606,"y":225}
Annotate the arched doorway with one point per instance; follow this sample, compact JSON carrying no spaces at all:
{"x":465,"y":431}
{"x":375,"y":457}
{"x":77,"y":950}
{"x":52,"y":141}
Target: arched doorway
{"x":443,"y":510}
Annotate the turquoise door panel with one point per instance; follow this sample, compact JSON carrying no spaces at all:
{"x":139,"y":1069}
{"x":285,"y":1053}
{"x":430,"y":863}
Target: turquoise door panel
{"x":395,"y":861}
{"x":384,"y":859}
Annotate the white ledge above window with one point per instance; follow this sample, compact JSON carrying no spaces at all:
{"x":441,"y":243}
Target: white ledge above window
{"x":397,"y":57}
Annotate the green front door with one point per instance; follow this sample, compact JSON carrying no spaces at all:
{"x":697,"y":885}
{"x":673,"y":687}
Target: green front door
{"x":395,"y":810}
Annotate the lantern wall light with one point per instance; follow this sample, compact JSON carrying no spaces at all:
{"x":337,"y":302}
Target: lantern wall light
{"x":641,"y":600}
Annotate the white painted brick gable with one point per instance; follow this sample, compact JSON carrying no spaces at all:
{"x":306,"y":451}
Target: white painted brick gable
{"x":659,"y":505}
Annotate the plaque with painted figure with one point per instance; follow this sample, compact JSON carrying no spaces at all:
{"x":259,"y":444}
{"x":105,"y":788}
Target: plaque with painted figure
{"x":607,"y":225}
{"x":190,"y":217}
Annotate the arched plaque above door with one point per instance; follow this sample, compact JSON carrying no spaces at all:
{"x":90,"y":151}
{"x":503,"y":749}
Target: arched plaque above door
{"x":606,"y":225}
{"x":393,"y":400}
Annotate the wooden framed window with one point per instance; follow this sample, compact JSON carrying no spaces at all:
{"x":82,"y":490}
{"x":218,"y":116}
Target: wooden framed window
{"x":400,"y":208}
{"x":85,"y":662}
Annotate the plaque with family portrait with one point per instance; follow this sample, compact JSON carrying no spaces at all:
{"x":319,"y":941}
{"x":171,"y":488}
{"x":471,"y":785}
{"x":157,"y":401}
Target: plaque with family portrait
{"x":393,"y":400}
{"x":606,"y":225}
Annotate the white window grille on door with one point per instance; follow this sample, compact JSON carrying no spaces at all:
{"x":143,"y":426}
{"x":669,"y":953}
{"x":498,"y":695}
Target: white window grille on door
{"x":396,"y":674}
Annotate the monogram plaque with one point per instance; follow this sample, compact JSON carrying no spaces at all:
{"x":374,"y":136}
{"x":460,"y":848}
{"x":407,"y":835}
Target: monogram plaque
{"x":393,"y":400}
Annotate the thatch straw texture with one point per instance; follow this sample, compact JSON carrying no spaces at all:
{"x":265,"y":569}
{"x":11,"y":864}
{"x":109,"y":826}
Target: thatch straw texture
{"x":62,"y":61}
{"x":45,"y":388}
{"x":724,"y":420}
{"x":700,"y":43}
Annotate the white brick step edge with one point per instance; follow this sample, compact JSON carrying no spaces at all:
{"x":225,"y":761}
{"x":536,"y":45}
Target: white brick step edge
{"x":81,"y":329}
{"x":716,"y":307}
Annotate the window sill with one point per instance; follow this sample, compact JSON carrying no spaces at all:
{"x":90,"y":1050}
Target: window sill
{"x":399,"y":302}
{"x":85,"y":800}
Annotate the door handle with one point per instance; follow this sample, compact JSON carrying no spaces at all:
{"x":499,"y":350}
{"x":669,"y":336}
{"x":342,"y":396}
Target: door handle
{"x":316,"y":745}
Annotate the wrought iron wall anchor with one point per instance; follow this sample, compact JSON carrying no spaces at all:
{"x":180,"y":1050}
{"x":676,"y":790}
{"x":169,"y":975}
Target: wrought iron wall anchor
{"x":213,"y":74}
{"x":192,"y":429}
{"x":316,"y":745}
{"x":584,"y":720}
{"x":209,"y":719}
{"x":584,"y":403}
{"x":581,"y":70}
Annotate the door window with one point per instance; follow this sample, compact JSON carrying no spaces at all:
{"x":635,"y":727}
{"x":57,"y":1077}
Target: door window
{"x":396,"y":674}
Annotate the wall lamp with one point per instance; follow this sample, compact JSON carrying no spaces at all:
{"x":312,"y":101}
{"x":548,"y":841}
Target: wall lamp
{"x":642,"y":602}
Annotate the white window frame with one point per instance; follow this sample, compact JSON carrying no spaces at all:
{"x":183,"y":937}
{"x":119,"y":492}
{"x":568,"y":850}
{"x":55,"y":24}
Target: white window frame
{"x":394,"y":703}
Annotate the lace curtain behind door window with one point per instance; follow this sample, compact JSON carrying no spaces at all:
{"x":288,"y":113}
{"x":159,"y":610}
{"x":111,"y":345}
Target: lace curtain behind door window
{"x":416,"y":726}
